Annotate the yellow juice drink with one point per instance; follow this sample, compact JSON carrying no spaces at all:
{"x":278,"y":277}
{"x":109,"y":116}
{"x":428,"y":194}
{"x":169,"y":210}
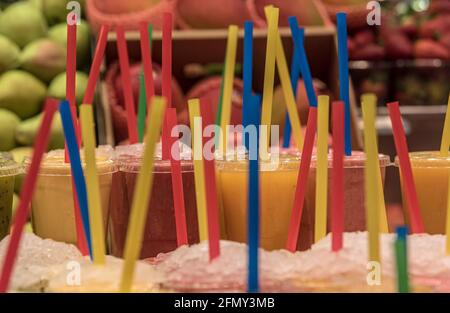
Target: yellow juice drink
{"x":52,"y":204}
{"x":430,"y":172}
{"x":277,"y":190}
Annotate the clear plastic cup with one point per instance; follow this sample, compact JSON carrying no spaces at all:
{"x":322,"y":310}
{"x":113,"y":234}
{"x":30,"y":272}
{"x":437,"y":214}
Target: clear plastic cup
{"x":160,"y":230}
{"x":354,"y":194}
{"x":52,"y":205}
{"x":278,"y":181}
{"x":430,"y":172}
{"x":8,"y":171}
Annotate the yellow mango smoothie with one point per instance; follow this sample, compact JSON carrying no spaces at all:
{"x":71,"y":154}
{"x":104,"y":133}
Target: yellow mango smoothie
{"x":277,"y":190}
{"x":52,"y":204}
{"x":430,"y":172}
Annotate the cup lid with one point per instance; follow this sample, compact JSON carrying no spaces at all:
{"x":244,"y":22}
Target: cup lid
{"x":427,"y":159}
{"x":8,"y":167}
{"x":356,"y":160}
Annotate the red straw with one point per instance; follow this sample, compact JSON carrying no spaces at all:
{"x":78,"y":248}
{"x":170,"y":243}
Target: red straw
{"x":146,"y":55}
{"x":96,"y":63}
{"x":177,"y":181}
{"x":302,"y":180}
{"x":337,"y":183}
{"x":166,"y":75}
{"x":71,"y":71}
{"x":29,"y":184}
{"x":211,"y":191}
{"x":126,"y":81}
{"x":405,"y":168}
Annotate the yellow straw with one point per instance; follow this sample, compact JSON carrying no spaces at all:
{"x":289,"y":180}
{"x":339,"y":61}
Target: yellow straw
{"x":230,"y":60}
{"x":283,"y":72}
{"x":320,"y":229}
{"x":445,"y":141}
{"x":370,"y":177}
{"x":269,"y":73}
{"x":372,"y":98}
{"x":199,"y":174}
{"x":142,"y":194}
{"x":92,"y":184}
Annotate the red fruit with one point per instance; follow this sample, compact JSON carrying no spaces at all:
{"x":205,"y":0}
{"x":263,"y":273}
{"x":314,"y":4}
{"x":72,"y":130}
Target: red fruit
{"x":351,"y":47}
{"x":409,"y":26}
{"x":211,"y":13}
{"x":116,"y":97}
{"x":364,"y":37}
{"x":435,"y":27}
{"x":209,"y":90}
{"x":439,"y":6}
{"x":430,"y":49}
{"x":445,"y":40}
{"x":397,"y":45}
{"x":369,"y":52}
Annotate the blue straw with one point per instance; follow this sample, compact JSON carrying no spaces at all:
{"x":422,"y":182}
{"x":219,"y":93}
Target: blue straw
{"x":401,"y":254}
{"x":77,"y":170}
{"x":247,"y":78}
{"x":295,"y":68}
{"x":299,"y":63}
{"x":344,"y":76}
{"x":253,"y":201}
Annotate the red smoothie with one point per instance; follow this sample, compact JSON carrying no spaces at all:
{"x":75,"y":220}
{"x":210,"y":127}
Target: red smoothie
{"x":160,"y":231}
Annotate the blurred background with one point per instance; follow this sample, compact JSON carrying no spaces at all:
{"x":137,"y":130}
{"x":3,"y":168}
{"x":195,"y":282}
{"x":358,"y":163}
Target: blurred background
{"x":406,"y":58}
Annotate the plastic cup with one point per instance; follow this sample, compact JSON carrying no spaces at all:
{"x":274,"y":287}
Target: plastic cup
{"x":354,"y":199}
{"x":160,"y":230}
{"x":8,"y":171}
{"x":430,"y":172}
{"x":53,"y":204}
{"x":278,"y":181}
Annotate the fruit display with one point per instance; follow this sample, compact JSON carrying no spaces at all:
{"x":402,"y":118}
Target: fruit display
{"x":407,"y":31}
{"x":412,"y":41}
{"x":33,"y":39}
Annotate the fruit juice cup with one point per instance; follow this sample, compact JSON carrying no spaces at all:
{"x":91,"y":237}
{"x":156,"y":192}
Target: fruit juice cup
{"x":278,"y":181}
{"x":430,"y":172}
{"x":8,"y":171}
{"x":53,"y":204}
{"x":160,"y":231}
{"x":354,"y":199}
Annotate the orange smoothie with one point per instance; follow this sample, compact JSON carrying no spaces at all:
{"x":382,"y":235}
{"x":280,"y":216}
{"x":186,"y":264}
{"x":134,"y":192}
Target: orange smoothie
{"x":277,"y":189}
{"x":430,"y":172}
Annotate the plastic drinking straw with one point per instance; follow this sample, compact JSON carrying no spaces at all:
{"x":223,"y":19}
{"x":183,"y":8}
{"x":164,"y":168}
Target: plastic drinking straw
{"x":401,"y":255}
{"x":76,"y":168}
{"x":93,"y":185}
{"x":22,"y":212}
{"x":177,"y":179}
{"x":447,"y":224}
{"x":126,"y":81}
{"x":337,"y":183}
{"x":445,"y":141}
{"x":298,"y":37}
{"x":372,"y":98}
{"x":302,"y":181}
{"x":269,"y":70}
{"x":230,"y":61}
{"x":212,"y":207}
{"x":283,"y":73}
{"x":320,"y":227}
{"x":142,"y":108}
{"x":96,"y":63}
{"x":344,"y":76}
{"x":253,"y":201}
{"x":370,"y":180}
{"x":145,"y":30}
{"x":405,"y":168}
{"x":142,"y":194}
{"x":199,"y":173}
{"x":247,"y":77}
{"x":294,"y":75}
{"x":166,"y":77}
